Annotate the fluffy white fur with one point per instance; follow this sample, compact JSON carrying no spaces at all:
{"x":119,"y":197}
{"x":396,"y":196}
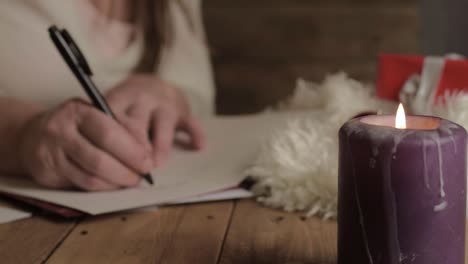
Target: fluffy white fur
{"x":297,"y":168}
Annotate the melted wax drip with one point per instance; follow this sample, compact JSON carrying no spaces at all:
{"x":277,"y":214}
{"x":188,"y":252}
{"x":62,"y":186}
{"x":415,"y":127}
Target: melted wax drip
{"x":426,"y":171}
{"x":435,"y":137}
{"x":394,"y":243}
{"x":443,"y":203}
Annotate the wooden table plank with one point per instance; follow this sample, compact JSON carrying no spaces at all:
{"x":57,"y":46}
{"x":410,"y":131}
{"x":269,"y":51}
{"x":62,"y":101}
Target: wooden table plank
{"x":178,"y":233}
{"x":184,"y":234}
{"x":31,"y":240}
{"x":262,"y":235}
{"x":200,"y":235}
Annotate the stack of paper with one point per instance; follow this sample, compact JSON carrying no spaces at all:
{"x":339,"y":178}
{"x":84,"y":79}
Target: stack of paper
{"x":232,"y":143}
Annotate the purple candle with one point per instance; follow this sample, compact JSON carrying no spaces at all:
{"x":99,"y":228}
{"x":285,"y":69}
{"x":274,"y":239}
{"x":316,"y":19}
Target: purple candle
{"x":402,"y":191}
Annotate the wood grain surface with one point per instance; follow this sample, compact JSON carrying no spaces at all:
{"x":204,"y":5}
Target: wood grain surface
{"x":220,"y":232}
{"x":261,"y":235}
{"x":32,"y":240}
{"x":180,"y":234}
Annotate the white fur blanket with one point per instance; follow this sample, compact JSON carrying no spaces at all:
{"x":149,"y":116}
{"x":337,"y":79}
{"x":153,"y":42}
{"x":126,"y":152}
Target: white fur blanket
{"x":297,"y":168}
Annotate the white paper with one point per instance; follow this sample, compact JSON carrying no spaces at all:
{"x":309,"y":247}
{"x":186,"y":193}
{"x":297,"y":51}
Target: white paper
{"x":9,"y":214}
{"x":235,"y":193}
{"x":232,"y":143}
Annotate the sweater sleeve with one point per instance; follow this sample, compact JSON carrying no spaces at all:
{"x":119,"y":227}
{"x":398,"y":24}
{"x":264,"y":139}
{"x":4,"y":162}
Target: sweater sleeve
{"x":185,"y":63}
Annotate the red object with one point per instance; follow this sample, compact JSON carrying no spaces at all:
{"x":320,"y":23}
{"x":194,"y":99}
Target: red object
{"x":394,"y":70}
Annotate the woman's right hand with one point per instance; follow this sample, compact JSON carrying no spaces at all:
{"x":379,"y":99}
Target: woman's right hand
{"x":76,"y":145}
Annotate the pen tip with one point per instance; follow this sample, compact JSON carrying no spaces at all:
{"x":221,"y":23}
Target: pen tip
{"x":149,"y":179}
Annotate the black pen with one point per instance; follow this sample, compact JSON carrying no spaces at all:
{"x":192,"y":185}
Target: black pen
{"x":80,"y":67}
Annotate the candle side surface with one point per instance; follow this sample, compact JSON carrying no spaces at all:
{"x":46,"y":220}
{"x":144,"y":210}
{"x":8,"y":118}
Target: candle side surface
{"x":401,"y":194}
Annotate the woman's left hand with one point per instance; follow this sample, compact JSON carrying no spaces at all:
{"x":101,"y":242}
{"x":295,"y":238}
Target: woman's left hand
{"x":153,"y":111}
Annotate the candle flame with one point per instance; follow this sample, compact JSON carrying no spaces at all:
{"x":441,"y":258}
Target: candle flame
{"x":400,"y":120}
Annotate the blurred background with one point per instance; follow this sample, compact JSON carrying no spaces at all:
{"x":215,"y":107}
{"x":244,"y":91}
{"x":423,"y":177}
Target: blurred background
{"x":260,"y":47}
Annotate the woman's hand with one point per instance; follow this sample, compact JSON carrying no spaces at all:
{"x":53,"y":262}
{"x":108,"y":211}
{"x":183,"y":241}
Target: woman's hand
{"x":77,"y":145}
{"x":153,"y":112}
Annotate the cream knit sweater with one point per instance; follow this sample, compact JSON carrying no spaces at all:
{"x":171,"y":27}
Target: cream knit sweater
{"x":32,"y":70}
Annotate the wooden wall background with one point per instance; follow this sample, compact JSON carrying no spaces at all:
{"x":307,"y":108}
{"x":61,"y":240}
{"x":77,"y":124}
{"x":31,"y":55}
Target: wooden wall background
{"x":260,"y":47}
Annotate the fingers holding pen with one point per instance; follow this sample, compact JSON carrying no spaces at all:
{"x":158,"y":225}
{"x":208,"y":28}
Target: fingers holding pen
{"x":114,"y":141}
{"x":82,"y":178}
{"x":133,"y":112}
{"x":99,"y":164}
{"x":76,"y":145}
{"x":109,"y":136}
{"x":136,"y":119}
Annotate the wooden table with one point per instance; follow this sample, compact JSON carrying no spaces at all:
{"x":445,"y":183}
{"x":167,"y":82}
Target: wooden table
{"x":220,"y":232}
